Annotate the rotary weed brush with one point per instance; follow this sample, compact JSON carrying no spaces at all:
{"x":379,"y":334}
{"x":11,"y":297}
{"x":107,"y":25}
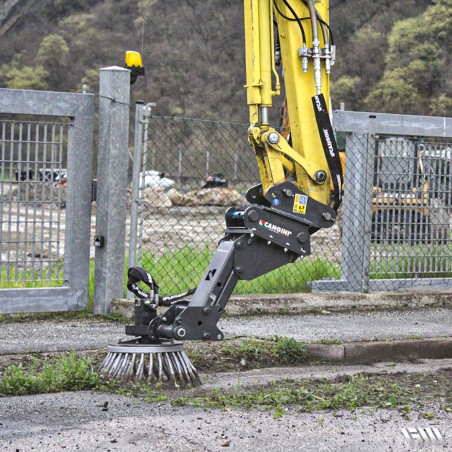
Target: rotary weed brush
{"x":148,"y":358}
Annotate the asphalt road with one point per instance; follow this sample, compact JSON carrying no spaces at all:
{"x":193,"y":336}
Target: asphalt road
{"x":78,"y":422}
{"x":86,"y":334}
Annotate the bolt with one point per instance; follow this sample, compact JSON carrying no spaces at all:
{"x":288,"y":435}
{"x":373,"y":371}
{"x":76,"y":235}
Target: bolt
{"x":239,"y":270}
{"x":320,"y":176}
{"x":273,"y":138}
{"x":206,"y":310}
{"x":253,"y":215}
{"x":288,"y":192}
{"x":206,"y":336}
{"x":269,"y":243}
{"x":327,"y":216}
{"x":302,"y":237}
{"x":238,"y":245}
{"x":164,"y":319}
{"x":181,"y":332}
{"x":286,"y":249}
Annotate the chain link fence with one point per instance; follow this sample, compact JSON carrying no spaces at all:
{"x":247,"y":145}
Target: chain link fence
{"x":32,"y":198}
{"x":192,"y":171}
{"x":393,"y":231}
{"x":411,"y":208}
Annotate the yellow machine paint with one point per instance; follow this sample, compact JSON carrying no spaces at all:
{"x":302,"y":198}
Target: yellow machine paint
{"x":279,"y":161}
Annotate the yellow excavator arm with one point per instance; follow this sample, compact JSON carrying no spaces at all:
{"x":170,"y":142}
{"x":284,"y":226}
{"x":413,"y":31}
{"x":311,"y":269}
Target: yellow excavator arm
{"x":301,"y":182}
{"x":297,"y":33}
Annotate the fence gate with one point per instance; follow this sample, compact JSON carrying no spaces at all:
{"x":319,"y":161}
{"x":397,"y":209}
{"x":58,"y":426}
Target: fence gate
{"x":46,"y":146}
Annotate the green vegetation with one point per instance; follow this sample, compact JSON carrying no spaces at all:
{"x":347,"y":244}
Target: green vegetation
{"x":61,"y":374}
{"x":392,"y":57}
{"x":330,"y":342}
{"x":47,"y":276}
{"x":183,"y":269}
{"x":250,"y":353}
{"x":415,"y":261}
{"x":401,"y":391}
{"x":280,"y":350}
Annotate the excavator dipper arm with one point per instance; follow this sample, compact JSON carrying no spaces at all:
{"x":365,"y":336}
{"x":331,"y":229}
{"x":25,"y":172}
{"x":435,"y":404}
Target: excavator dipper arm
{"x":301,"y":183}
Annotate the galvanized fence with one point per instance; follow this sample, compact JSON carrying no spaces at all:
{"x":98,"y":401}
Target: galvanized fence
{"x":397,"y":203}
{"x":393,"y":230}
{"x":45,"y":224}
{"x":33,"y":179}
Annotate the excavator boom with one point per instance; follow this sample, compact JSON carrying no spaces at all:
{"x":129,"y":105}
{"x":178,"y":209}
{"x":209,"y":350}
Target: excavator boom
{"x":295,"y":198}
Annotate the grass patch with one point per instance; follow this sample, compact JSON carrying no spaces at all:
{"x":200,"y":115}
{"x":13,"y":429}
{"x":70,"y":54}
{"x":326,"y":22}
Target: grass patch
{"x":401,"y":391}
{"x":412,"y":261}
{"x":329,"y":342}
{"x":181,"y":270}
{"x":243,"y":354}
{"x":48,"y":276}
{"x":63,"y":373}
{"x":396,"y":391}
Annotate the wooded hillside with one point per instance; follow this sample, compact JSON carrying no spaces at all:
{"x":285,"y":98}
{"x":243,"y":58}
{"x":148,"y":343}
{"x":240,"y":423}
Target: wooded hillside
{"x":392,"y":56}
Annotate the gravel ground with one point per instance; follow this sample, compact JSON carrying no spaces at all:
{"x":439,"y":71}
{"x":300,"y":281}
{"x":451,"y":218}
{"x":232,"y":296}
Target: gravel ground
{"x":346,"y":327}
{"x":86,"y":334}
{"x":78,"y":421}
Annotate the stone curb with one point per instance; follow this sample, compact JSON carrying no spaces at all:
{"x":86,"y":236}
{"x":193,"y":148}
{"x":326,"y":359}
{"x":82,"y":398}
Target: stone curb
{"x":375,"y":351}
{"x":349,"y":353}
{"x":303,"y":303}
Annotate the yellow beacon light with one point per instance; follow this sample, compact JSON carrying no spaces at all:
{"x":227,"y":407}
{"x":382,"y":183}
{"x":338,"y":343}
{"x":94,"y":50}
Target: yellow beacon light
{"x":135,"y":64}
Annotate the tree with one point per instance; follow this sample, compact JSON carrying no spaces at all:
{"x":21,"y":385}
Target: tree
{"x":53,"y":55}
{"x":395,"y":93}
{"x":18,"y":75}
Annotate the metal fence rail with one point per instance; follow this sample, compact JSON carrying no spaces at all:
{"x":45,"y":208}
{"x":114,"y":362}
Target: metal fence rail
{"x":33,"y":197}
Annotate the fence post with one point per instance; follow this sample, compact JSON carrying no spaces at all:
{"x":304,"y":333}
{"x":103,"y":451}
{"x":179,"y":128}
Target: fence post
{"x":357,"y":212}
{"x":112,"y":170}
{"x":137,"y":157}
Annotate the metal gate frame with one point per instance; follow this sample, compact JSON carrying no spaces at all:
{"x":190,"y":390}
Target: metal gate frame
{"x":79,"y":108}
{"x":357,"y":207}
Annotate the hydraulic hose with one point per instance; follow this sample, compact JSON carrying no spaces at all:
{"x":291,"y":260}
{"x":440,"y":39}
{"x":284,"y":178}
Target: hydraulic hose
{"x":315,"y":46}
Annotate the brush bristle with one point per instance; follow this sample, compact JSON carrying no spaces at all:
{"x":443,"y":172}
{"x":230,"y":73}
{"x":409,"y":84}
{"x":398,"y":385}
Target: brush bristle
{"x":143,"y":363}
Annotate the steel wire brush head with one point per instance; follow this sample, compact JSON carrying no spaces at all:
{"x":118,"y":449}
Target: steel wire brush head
{"x":148,"y":358}
{"x":150,"y":363}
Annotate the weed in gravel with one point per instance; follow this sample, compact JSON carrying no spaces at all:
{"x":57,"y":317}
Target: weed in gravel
{"x":65,"y":373}
{"x":255,"y":352}
{"x":241,"y":354}
{"x":397,"y":391}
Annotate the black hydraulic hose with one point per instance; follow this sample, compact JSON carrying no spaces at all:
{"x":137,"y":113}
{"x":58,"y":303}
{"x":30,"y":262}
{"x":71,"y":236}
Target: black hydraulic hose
{"x":327,"y":27}
{"x":277,"y":48}
{"x":295,"y":17}
{"x":307,"y":18}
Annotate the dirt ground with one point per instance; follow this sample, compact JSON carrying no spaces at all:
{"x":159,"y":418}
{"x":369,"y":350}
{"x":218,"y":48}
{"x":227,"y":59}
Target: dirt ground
{"x":34,"y":231}
{"x":101,"y":421}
